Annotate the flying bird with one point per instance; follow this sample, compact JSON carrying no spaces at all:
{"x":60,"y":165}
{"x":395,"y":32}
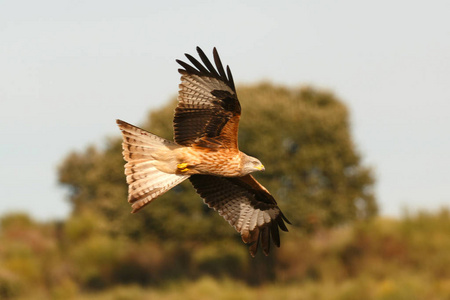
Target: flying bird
{"x":205,"y":151}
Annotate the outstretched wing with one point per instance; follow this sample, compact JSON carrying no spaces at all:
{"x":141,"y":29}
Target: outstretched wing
{"x":246,"y":205}
{"x":208,"y":109}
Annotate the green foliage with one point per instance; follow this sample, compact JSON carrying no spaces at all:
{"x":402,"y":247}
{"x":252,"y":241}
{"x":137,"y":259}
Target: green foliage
{"x":303,"y":138}
{"x":96,"y":183}
{"x":404,"y":287}
{"x":215,"y":259}
{"x":10,"y":284}
{"x":301,"y":135}
{"x":178,"y":248}
{"x":378,"y":259}
{"x":28,"y":253}
{"x":17,"y":220}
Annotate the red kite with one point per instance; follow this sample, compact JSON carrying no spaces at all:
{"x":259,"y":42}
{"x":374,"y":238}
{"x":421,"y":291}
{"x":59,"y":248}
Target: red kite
{"x":205,"y":150}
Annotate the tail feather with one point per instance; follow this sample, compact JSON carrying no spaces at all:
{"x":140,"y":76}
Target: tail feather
{"x":146,"y":195}
{"x":135,"y":167}
{"x":133,"y":135}
{"x":141,"y":174}
{"x":137,"y":149}
{"x":154,"y":181}
{"x":129,"y":155}
{"x":132,"y":140}
{"x":145,"y":180}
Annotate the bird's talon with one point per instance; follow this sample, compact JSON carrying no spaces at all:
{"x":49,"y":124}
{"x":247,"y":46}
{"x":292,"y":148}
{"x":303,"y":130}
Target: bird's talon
{"x":183,"y":167}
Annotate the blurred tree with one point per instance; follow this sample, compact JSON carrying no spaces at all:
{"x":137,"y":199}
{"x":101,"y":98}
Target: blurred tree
{"x":302,"y":136}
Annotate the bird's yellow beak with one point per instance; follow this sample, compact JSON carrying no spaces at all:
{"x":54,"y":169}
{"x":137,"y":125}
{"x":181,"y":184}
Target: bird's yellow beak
{"x":260,"y":168}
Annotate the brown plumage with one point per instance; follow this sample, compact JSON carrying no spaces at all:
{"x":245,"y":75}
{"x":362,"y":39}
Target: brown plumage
{"x":205,"y":151}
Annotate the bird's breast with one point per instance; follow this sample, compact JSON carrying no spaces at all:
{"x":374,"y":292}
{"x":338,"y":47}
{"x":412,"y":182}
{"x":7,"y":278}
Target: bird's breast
{"x":204,"y":161}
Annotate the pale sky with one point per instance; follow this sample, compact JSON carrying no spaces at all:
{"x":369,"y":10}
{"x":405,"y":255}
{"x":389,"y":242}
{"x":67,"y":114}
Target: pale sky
{"x":68,"y":69}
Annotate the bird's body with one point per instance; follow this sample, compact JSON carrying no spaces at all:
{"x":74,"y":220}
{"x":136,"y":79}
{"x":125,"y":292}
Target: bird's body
{"x":206,"y":151}
{"x":195,"y":161}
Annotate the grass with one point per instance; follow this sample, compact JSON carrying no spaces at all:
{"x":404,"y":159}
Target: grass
{"x":404,"y":286}
{"x":385,"y":259}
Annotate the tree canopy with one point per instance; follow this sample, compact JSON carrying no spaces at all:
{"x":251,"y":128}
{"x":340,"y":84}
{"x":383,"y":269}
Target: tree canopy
{"x":302,"y":136}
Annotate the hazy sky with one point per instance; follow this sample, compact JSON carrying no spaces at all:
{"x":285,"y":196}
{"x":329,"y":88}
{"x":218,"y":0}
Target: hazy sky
{"x":68,"y":69}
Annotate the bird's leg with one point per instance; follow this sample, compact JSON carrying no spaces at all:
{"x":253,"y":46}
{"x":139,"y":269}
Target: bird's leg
{"x":182,"y":167}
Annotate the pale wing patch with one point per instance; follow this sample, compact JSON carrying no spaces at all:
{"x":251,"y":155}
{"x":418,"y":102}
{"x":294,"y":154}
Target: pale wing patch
{"x":254,"y":219}
{"x":204,"y":85}
{"x":195,"y":91}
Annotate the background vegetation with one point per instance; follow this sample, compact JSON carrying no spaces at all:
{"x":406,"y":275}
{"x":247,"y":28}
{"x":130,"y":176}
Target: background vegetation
{"x":337,"y":247}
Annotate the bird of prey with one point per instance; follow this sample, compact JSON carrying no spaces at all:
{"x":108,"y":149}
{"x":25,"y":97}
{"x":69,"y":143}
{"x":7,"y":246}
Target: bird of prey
{"x":205,"y":150}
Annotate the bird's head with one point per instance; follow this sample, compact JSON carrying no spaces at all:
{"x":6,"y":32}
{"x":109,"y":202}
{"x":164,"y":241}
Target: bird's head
{"x":251,"y":164}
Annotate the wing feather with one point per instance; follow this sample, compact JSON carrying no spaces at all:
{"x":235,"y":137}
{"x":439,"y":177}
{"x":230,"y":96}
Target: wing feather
{"x":208,"y":109}
{"x":246,"y":205}
{"x":197,"y":64}
{"x":218,"y":63}
{"x":207,"y":63}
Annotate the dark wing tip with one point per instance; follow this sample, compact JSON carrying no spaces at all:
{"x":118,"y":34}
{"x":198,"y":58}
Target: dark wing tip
{"x":285,"y":219}
{"x":263,"y":236}
{"x":230,"y":79}
{"x":275,"y":234}
{"x":207,"y":69}
{"x":280,"y":222}
{"x":265,"y":240}
{"x":187,"y":68}
{"x":218,"y":63}
{"x":253,"y":249}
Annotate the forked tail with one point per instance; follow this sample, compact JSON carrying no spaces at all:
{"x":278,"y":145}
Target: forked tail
{"x":145,"y":177}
